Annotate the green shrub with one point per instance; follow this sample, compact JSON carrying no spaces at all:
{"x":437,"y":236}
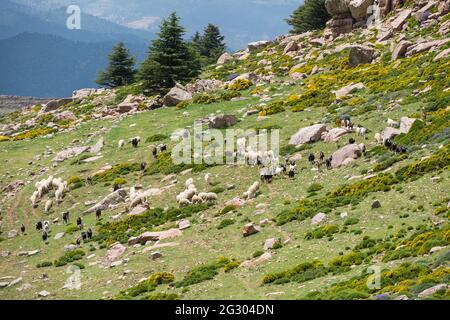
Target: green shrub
{"x":72,"y":229}
{"x":156,"y":138}
{"x":272,"y":108}
{"x":351,"y":221}
{"x":44,"y":264}
{"x":240,"y":85}
{"x":202,"y":273}
{"x":321,"y":232}
{"x":314,"y":187}
{"x":257,"y":254}
{"x":162,"y":296}
{"x":69,"y":257}
{"x":115,"y":172}
{"x":204,"y":98}
{"x":301,"y":273}
{"x":119,"y":182}
{"x":231,"y":265}
{"x":227,"y":209}
{"x":225,"y":223}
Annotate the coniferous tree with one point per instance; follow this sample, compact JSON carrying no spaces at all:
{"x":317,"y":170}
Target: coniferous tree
{"x":212,"y":44}
{"x":120,"y":70}
{"x":311,"y":15}
{"x":170,"y":59}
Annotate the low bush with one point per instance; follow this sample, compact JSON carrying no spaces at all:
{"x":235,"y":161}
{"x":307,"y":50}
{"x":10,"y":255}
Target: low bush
{"x":156,"y":138}
{"x":44,"y":264}
{"x":225,"y":223}
{"x":203,"y":273}
{"x":69,"y":257}
{"x":240,"y":85}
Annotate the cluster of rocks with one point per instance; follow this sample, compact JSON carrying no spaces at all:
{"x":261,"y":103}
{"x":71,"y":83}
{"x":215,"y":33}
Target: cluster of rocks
{"x":180,"y":93}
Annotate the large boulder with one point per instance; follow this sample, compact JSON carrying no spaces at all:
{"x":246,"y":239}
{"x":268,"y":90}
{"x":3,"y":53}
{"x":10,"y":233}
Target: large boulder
{"x":337,"y":7}
{"x":406,"y":124}
{"x":433,"y":290}
{"x":339,"y":25}
{"x":346,"y":155}
{"x":358,"y":8}
{"x":114,"y":253}
{"x":400,"y":20}
{"x":390,"y":133}
{"x":360,"y":54}
{"x":400,"y":50}
{"x":290,"y":47}
{"x":176,"y":95}
{"x":308,"y":134}
{"x":334,"y":134}
{"x":154,"y":236}
{"x":222,"y":121}
{"x":110,"y":200}
{"x":224,"y":58}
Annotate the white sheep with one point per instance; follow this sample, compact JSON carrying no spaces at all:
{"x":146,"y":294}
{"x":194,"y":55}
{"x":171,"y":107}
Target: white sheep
{"x":208,"y":178}
{"x":197,"y":200}
{"x":378,"y":138}
{"x":121,"y":144}
{"x":211,"y":197}
{"x":184,"y":202}
{"x":251,"y":192}
{"x":48,"y":205}
{"x":361,"y":131}
{"x":46,"y":225}
{"x":34,"y":199}
{"x":392,"y":123}
{"x":59,"y":195}
{"x":189,"y":182}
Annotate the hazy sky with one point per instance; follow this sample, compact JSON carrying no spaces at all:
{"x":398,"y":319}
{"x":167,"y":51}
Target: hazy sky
{"x":240,"y":20}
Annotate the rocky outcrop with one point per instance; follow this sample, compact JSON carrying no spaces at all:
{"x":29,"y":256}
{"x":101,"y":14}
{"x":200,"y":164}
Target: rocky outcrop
{"x":154,"y":236}
{"x":114,"y":253}
{"x":201,"y":86}
{"x":308,"y":134}
{"x":55,"y":104}
{"x":346,"y":155}
{"x":406,"y":124}
{"x":110,"y":200}
{"x":390,"y":133}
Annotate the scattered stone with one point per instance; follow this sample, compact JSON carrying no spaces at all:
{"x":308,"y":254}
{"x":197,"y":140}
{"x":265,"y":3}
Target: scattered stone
{"x":319,"y":219}
{"x":43,"y":294}
{"x":400,"y":50}
{"x":402,"y":297}
{"x":59,"y":235}
{"x":344,"y":215}
{"x":155,"y":255}
{"x":111,"y":200}
{"x":257,"y":261}
{"x":376,"y":204}
{"x":12,"y":234}
{"x":270,"y":243}
{"x":184,"y":224}
{"x":250,"y":228}
{"x":237,"y":202}
{"x":70,"y":247}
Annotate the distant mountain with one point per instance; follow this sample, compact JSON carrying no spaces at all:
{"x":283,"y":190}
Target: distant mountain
{"x":16,"y":19}
{"x":40,"y":65}
{"x":241,"y":21}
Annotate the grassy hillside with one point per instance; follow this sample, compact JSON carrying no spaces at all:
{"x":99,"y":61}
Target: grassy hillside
{"x":329,"y":261}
